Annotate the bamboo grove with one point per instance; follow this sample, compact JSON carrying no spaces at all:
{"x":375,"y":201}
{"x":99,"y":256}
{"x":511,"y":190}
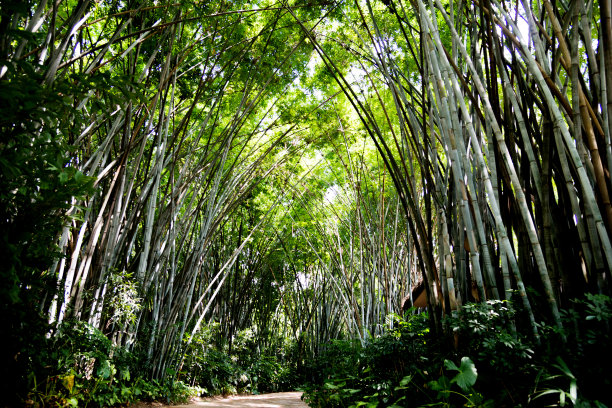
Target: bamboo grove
{"x":299,"y":167}
{"x":497,"y":149}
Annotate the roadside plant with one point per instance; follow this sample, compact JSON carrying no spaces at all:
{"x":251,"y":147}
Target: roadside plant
{"x":560,"y":388}
{"x":486,"y":332}
{"x":465,"y":379}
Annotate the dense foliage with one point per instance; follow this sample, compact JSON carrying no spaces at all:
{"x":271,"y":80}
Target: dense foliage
{"x":38,"y":188}
{"x":220,"y":371}
{"x":81,"y":367}
{"x":487,"y":363}
{"x":214,"y":197}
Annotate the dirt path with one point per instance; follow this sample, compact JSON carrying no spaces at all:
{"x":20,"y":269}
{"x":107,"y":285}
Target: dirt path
{"x":278,"y":400}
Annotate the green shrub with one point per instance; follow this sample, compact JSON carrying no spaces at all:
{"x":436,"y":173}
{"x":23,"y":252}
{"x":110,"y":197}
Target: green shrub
{"x":576,"y":370}
{"x":85,"y":369}
{"x":408,"y":367}
{"x":486,"y":332}
{"x":393,"y":367}
{"x":37,"y":184}
{"x":211,"y":365}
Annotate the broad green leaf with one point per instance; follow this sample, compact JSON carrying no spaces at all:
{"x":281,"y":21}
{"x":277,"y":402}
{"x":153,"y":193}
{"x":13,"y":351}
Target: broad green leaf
{"x":330,"y":386}
{"x":450,"y":365}
{"x":467,"y":375}
{"x":406,"y":380}
{"x":106,"y":370}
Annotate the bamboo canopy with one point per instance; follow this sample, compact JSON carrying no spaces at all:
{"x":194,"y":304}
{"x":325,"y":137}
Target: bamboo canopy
{"x":467,"y":146}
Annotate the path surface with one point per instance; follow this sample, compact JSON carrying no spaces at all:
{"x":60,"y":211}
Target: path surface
{"x":277,"y":400}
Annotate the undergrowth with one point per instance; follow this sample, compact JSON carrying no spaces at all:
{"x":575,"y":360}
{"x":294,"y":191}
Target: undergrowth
{"x":246,"y":367}
{"x":79,"y":367}
{"x":481,"y":361}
